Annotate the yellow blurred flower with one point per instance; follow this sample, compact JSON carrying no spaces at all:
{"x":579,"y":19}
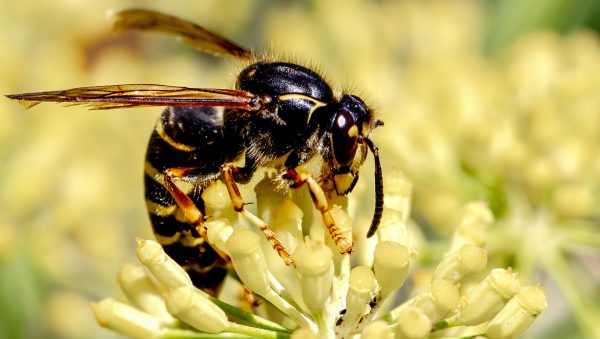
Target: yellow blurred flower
{"x":519,"y":130}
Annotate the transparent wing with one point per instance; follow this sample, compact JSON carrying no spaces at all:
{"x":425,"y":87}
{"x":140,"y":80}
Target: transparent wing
{"x":190,"y":33}
{"x":133,"y":95}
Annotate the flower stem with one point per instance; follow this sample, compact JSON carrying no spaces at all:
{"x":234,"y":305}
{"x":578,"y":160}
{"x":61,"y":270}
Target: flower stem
{"x":298,"y":317}
{"x":249,"y":318}
{"x":582,"y":237}
{"x":446,"y":323}
{"x":173,"y":333}
{"x":585,"y":313}
{"x":256,"y":332}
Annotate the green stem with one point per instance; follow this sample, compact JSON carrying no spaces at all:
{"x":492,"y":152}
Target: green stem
{"x":255,"y":332}
{"x":585,"y":313}
{"x":446,"y":323}
{"x":473,"y":336}
{"x":249,"y":318}
{"x":172,"y":333}
{"x":582,"y":237}
{"x":297,"y":316}
{"x":233,"y":331}
{"x":325,"y":331}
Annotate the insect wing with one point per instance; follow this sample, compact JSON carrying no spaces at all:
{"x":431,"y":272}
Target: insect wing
{"x":134,"y":95}
{"x":190,"y":33}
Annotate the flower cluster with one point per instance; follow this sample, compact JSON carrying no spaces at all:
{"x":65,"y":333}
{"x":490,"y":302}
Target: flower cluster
{"x":328,"y":295}
{"x":518,"y":130}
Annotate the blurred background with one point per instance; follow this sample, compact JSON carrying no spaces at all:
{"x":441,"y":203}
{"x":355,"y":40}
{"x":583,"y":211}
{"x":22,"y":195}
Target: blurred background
{"x":493,"y":100}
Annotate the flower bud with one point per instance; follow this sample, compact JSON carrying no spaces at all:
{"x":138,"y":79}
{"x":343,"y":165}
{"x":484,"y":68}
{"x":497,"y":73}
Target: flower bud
{"x":574,"y":200}
{"x":342,"y":220}
{"x":125,"y":319}
{"x":488,"y":297}
{"x":267,"y":197}
{"x":141,"y":292}
{"x":458,"y":264}
{"x":217,"y":202}
{"x":412,"y":324}
{"x":476,"y":218}
{"x":218,"y":231}
{"x":390,"y":265}
{"x":314,"y":263}
{"x":303,"y":333}
{"x":377,"y":329}
{"x":518,"y":314}
{"x":393,"y":228}
{"x":168,"y":273}
{"x":441,"y":297}
{"x":196,"y":310}
{"x":248,"y":260}
{"x":398,"y":192}
{"x":362,"y":286}
{"x":216,"y":197}
{"x":287,"y":222}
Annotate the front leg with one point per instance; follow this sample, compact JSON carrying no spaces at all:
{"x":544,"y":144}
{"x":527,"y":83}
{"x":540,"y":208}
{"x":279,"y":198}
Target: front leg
{"x":193,"y":215}
{"x":322,"y":204}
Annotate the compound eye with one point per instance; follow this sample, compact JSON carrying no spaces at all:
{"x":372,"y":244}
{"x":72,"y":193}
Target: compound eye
{"x":344,"y":137}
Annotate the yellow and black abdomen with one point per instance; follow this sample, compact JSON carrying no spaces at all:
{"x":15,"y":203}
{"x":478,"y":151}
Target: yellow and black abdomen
{"x":185,"y":137}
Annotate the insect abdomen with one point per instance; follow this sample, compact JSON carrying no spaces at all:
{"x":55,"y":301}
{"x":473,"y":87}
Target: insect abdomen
{"x":172,"y":145}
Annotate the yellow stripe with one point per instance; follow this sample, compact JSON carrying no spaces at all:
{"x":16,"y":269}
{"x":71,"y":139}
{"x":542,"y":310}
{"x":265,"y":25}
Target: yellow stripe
{"x":167,"y":240}
{"x":160,"y":210}
{"x":161,"y":131}
{"x":317,"y":103}
{"x":153,"y":173}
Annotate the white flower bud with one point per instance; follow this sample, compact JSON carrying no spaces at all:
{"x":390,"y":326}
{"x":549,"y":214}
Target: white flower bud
{"x":441,"y":297}
{"x":267,"y":196}
{"x":168,"y":273}
{"x":216,"y":197}
{"x":196,"y":310}
{"x":218,"y":231}
{"x":398,"y":192}
{"x":378,"y":329}
{"x":248,"y":260}
{"x":217,"y":202}
{"x":458,"y":264}
{"x":574,"y":200}
{"x":391,"y":266}
{"x":478,"y":211}
{"x":476,"y":218}
{"x":314,"y":263}
{"x":412,"y":324}
{"x":518,"y":314}
{"x":287,"y":222}
{"x":393,"y":228}
{"x":125,"y":319}
{"x":342,"y":220}
{"x":303,"y":333}
{"x":141,"y":292}
{"x":362,"y":286}
{"x":488,"y":297}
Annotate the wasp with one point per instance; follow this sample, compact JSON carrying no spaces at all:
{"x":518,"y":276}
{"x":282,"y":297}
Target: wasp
{"x":280,"y":115}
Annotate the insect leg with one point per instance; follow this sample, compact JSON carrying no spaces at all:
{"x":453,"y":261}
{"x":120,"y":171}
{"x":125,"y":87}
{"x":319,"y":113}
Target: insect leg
{"x":320,"y":201}
{"x":193,"y":215}
{"x":227,"y":171}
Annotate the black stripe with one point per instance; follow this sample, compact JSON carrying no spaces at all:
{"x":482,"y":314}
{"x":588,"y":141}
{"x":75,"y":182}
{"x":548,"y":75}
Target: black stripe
{"x":208,"y":281}
{"x":167,"y":226}
{"x":157,"y":193}
{"x":203,"y":254}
